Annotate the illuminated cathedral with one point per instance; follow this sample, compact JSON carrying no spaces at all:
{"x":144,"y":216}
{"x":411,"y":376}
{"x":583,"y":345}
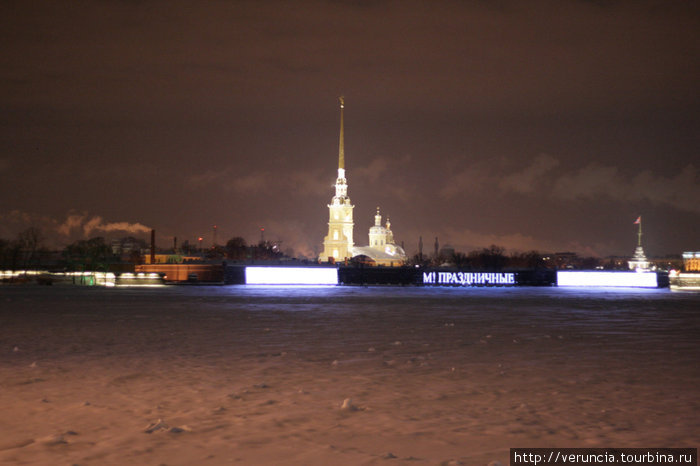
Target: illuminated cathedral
{"x":381,"y":249}
{"x":338,"y":245}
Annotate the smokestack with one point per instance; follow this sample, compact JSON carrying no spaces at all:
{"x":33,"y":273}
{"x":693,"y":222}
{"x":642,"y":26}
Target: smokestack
{"x":175,"y":245}
{"x":153,"y":246}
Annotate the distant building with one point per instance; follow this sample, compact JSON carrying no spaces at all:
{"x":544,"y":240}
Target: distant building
{"x":382,"y":250}
{"x":128,"y":245}
{"x":170,"y":258}
{"x":639,"y":260}
{"x":565,"y":260}
{"x":691,"y":261}
{"x":207,"y":273}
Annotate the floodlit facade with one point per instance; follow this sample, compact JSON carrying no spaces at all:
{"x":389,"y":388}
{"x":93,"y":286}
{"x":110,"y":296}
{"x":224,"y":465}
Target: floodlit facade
{"x":691,"y":261}
{"x":338,"y":244}
{"x":381,"y":249}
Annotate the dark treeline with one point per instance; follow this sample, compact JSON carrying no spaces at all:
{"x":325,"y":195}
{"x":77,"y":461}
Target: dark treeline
{"x":236,"y":249}
{"x":495,"y":258}
{"x":25,"y":252}
{"x":492,"y":258}
{"x":28,"y":252}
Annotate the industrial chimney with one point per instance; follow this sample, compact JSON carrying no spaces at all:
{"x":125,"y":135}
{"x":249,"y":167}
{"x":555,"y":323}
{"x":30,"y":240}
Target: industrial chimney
{"x":153,"y":246}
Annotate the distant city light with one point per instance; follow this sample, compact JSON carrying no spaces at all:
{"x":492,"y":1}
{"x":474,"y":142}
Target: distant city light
{"x":88,"y":278}
{"x":291,"y":276}
{"x":607,"y":279}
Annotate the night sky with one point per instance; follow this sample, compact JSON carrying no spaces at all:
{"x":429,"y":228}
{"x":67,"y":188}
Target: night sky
{"x":548,"y":125}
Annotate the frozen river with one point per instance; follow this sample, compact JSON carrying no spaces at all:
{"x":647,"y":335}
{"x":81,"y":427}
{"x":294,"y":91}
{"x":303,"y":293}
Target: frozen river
{"x":259,"y":374}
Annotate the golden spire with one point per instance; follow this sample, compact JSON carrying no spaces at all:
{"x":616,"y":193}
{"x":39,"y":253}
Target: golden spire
{"x":341,"y":148}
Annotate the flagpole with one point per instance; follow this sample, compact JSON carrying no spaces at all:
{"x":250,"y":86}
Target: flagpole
{"x":639,"y":241}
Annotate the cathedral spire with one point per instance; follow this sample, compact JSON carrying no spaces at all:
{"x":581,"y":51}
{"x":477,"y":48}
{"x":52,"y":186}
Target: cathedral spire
{"x":338,"y":244}
{"x":341,"y":146}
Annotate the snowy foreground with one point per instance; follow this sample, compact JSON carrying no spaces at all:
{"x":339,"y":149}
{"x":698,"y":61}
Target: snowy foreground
{"x":341,"y":375}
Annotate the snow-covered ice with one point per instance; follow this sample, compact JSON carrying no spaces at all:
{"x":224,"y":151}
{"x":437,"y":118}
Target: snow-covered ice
{"x":255,"y":375}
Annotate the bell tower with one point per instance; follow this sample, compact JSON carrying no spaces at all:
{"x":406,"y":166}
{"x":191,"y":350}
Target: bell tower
{"x":338,"y":244}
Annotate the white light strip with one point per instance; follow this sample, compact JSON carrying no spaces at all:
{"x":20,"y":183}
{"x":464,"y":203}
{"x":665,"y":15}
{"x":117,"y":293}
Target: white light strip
{"x":605,"y":279}
{"x":291,"y":276}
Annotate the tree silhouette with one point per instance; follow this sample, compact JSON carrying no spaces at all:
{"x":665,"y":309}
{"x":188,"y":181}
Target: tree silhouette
{"x":91,"y":254}
{"x":29,"y":242}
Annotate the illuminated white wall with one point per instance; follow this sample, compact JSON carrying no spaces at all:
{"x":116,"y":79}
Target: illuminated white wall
{"x":291,"y":276}
{"x":603,"y":279}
